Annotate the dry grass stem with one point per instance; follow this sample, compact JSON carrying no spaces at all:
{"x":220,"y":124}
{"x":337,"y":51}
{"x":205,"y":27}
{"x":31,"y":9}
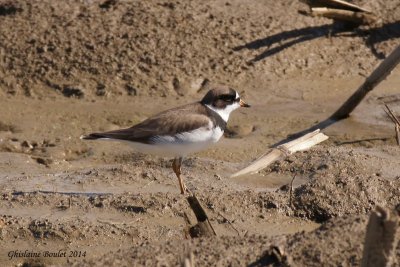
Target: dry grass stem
{"x":291,"y":190}
{"x":230,"y":223}
{"x":395,"y":120}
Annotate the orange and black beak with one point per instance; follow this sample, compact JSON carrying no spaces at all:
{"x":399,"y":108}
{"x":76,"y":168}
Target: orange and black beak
{"x":243,"y":104}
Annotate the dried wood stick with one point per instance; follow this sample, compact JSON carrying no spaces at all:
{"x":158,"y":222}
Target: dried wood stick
{"x":302,"y":143}
{"x":380,"y":239}
{"x":377,"y":76}
{"x":340,"y":4}
{"x":203,"y":227}
{"x":361,"y":18}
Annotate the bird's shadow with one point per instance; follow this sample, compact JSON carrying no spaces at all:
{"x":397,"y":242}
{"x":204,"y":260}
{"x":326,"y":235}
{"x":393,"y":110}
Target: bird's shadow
{"x":287,"y":39}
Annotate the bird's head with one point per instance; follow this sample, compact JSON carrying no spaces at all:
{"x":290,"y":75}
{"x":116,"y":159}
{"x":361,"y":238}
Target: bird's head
{"x":223,"y":100}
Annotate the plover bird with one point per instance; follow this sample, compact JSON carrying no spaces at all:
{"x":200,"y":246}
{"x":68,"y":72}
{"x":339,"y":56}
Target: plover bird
{"x":180,"y":131}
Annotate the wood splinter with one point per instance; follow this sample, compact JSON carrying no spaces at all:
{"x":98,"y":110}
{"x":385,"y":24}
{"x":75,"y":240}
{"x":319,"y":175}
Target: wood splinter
{"x":203,"y":228}
{"x":302,"y":143}
{"x":340,"y":10}
{"x":187,"y":259}
{"x":339,"y":4}
{"x":381,"y":238}
{"x":359,"y":18}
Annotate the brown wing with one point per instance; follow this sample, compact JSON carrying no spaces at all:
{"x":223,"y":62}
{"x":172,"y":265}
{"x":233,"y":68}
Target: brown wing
{"x":170,"y":122}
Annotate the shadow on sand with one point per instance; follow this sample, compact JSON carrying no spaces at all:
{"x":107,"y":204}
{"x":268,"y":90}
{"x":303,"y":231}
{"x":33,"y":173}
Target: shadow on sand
{"x":289,"y":38}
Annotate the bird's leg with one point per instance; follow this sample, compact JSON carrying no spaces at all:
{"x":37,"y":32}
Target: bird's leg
{"x":176,"y":166}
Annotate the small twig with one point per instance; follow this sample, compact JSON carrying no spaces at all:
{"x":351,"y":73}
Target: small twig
{"x":291,"y":190}
{"x":149,"y":183}
{"x":212,"y":228}
{"x":396,"y":122}
{"x":363,"y":140}
{"x":230,"y":223}
{"x":118,"y":223}
{"x":391,"y":115}
{"x":204,"y":224}
{"x":16,"y":193}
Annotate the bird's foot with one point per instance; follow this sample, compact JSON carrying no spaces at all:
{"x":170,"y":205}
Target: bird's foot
{"x":185,"y":190}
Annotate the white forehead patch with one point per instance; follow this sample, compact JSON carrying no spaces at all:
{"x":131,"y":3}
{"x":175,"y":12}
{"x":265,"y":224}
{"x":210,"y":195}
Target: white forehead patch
{"x":237,"y":95}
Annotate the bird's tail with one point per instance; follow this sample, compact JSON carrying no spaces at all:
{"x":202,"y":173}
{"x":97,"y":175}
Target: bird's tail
{"x":92,"y":136}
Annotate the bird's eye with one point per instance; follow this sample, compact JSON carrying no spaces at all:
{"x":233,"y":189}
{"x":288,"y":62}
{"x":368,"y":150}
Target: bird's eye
{"x":226,"y":98}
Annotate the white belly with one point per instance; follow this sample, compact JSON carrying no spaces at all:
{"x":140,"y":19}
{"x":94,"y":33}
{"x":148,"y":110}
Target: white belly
{"x":181,"y":144}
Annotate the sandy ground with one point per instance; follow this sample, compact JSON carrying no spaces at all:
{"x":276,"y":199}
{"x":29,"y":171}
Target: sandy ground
{"x":72,"y":67}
